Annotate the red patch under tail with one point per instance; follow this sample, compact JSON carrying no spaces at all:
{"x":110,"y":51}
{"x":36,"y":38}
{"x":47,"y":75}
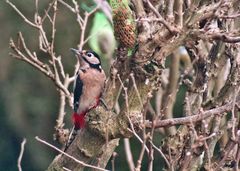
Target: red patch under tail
{"x":78,"y":120}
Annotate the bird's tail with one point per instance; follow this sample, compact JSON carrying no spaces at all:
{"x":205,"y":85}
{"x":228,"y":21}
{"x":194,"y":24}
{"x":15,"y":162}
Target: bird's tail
{"x":79,"y":122}
{"x":71,"y":137}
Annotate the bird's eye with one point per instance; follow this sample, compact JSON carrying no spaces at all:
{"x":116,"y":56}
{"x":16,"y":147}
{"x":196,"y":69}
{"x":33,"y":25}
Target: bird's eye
{"x":89,"y":54}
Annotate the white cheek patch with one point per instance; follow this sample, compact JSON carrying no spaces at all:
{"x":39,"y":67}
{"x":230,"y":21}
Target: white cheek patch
{"x":93,"y":60}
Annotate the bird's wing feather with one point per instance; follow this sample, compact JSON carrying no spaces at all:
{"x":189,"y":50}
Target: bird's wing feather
{"x":78,"y":86}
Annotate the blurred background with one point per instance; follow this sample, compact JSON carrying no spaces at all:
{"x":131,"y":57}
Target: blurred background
{"x":29,"y":100}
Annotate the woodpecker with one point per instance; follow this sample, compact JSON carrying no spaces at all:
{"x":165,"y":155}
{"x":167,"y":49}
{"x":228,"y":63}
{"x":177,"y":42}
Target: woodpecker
{"x":87,"y":89}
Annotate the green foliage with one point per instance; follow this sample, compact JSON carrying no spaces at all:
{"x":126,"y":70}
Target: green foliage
{"x":115,"y":4}
{"x":87,"y":8}
{"x":102,"y":39}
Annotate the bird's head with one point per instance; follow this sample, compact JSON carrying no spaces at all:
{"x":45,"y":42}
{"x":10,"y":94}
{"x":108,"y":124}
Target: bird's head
{"x":87,"y":58}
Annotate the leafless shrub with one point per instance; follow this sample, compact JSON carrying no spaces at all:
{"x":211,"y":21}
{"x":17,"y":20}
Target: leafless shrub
{"x":201,"y":35}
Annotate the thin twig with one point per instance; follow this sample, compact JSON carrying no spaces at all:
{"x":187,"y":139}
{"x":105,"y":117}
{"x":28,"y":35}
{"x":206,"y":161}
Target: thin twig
{"x":235,"y":93}
{"x":233,"y":16}
{"x":22,"y":15}
{"x":64,"y":168}
{"x":43,"y":68}
{"x":21,"y":154}
{"x":179,"y":13}
{"x":53,"y":26}
{"x":126,"y":94}
{"x":113,"y":160}
{"x":229,"y":147}
{"x":161,"y":19}
{"x":128,"y":153}
{"x":71,"y":157}
{"x":67,"y":5}
{"x":171,"y":91}
{"x":139,"y":8}
{"x":44,"y":45}
{"x":62,"y":104}
{"x":150,"y":158}
{"x":136,"y":135}
{"x":47,"y":11}
{"x":170,"y":15}
{"x":136,"y":89}
{"x":193,"y":118}
{"x":161,"y":153}
{"x":140,"y":158}
{"x":225,"y":37}
{"x":127,"y":107}
{"x":83,"y":27}
{"x":60,"y":64}
{"x":77,"y":12}
{"x":145,"y":139}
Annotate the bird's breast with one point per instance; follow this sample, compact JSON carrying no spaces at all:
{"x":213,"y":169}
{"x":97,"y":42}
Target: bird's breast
{"x":93,"y":84}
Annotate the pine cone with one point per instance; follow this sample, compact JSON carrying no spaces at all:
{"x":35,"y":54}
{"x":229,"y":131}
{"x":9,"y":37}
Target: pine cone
{"x":124,"y":29}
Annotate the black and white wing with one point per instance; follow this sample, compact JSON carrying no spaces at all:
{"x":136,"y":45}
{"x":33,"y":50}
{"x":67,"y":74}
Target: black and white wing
{"x":77,"y":90}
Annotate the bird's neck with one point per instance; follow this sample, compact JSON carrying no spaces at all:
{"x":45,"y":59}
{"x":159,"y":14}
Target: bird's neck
{"x":93,"y":66}
{"x":84,"y":67}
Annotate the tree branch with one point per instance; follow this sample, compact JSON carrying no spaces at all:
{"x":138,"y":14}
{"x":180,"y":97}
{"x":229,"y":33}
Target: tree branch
{"x":21,"y":154}
{"x":71,"y":157}
{"x":193,"y":118}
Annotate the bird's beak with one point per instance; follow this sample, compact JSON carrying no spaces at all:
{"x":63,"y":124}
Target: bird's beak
{"x":76,"y":52}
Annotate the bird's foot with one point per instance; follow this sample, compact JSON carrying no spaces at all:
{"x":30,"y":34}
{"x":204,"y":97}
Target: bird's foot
{"x":102,"y":101}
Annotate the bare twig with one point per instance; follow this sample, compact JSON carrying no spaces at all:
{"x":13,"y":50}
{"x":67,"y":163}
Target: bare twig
{"x":136,"y":89}
{"x":77,"y":12}
{"x":171,"y":90}
{"x":139,"y":8}
{"x":113,"y":160}
{"x":67,"y":5}
{"x":193,"y":118}
{"x":146,"y":137}
{"x":233,"y":16}
{"x":21,"y":154}
{"x":229,"y":147}
{"x":46,"y":13}
{"x":22,"y":15}
{"x":150,"y":158}
{"x":126,"y":94}
{"x":235,"y":93}
{"x":64,"y":168}
{"x":140,"y":158}
{"x":170,"y":15}
{"x":225,"y":37}
{"x":128,"y":153}
{"x":48,"y":47}
{"x":44,"y":68}
{"x":170,"y":28}
{"x":62,"y":104}
{"x":179,"y":20}
{"x":161,"y":153}
{"x":127,"y":108}
{"x":71,"y":157}
{"x":84,"y":25}
{"x":19,"y":55}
